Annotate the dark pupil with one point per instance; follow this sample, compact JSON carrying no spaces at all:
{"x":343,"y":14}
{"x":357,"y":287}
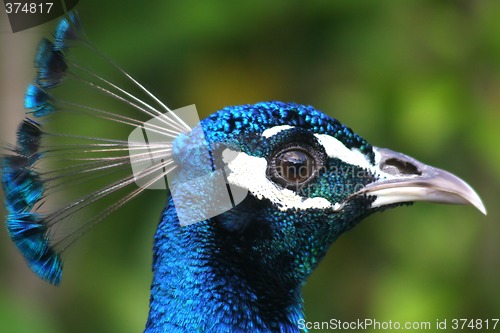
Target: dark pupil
{"x":295,"y":166}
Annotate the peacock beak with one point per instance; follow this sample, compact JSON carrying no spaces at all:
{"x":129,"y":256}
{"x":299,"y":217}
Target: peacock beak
{"x":406,"y":180}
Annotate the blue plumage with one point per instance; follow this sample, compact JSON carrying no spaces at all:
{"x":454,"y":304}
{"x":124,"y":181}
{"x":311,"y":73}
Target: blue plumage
{"x":29,"y":135}
{"x":307,"y":180}
{"x":37,"y":101}
{"x":24,"y":189}
{"x":51,"y":65}
{"x":21,"y":181}
{"x":67,"y":32}
{"x":236,"y":121}
{"x":244,"y":269}
{"x":21,"y":187}
{"x":28,"y":231}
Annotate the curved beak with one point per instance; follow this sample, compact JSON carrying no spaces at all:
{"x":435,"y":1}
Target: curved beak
{"x":405,"y":180}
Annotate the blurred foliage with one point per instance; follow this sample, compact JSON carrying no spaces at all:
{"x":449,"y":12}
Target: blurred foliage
{"x":421,"y":77}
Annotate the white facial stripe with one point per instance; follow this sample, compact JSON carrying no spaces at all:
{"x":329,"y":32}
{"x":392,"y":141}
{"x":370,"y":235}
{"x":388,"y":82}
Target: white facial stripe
{"x":336,"y":149}
{"x":275,"y":130}
{"x":249,"y":172}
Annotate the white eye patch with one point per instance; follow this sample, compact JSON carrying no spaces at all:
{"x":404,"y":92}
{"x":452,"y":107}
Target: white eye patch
{"x":249,"y":172}
{"x":275,"y":130}
{"x":336,"y":149}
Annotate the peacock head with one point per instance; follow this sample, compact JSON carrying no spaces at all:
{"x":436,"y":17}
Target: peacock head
{"x":299,"y":179}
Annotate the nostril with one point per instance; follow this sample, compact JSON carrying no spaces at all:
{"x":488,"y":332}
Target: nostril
{"x":395,"y":166}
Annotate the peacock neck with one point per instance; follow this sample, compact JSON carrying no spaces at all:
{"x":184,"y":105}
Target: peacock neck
{"x":200,"y":285}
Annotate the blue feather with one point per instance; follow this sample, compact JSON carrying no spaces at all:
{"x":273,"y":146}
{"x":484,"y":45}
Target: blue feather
{"x":28,"y":137}
{"x":28,"y":232}
{"x":24,"y":188}
{"x":67,"y":32}
{"x":51,"y":65}
{"x":32,"y":223}
{"x":22,"y":185}
{"x":36,"y":100}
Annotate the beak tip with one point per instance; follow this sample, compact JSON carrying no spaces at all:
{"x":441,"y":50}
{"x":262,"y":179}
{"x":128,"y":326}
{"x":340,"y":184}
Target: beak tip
{"x":480,"y":206}
{"x":474,"y":199}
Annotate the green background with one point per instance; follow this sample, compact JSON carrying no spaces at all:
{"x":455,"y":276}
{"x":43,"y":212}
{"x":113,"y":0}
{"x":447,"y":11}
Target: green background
{"x":420,"y":77}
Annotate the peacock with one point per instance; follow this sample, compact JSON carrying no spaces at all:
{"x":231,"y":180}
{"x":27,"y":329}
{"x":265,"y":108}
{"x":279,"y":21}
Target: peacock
{"x":256,"y":193}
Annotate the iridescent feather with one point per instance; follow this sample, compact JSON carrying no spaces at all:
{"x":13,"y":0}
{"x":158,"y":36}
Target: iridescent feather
{"x":40,"y":226}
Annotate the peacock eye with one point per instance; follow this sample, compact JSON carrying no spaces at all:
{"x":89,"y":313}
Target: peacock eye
{"x":295,"y":166}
